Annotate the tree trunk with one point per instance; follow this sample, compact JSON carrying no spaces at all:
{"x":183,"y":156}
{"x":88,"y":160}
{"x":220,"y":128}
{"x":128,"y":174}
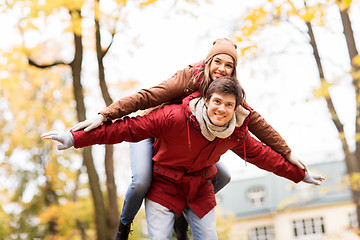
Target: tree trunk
{"x":350,"y":160}
{"x":113,"y":216}
{"x":353,"y":52}
{"x":98,"y":201}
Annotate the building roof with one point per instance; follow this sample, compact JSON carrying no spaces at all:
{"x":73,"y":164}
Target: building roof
{"x":280,"y":193}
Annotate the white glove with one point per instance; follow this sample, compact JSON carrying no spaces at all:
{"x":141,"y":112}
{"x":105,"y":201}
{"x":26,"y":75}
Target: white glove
{"x":294,"y":160}
{"x":313,"y":178}
{"x":89,"y":124}
{"x":65,"y":138}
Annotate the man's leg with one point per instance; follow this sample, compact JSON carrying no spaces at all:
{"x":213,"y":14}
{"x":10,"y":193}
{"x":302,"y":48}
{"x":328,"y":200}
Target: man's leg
{"x":202,"y":228}
{"x":160,"y":221}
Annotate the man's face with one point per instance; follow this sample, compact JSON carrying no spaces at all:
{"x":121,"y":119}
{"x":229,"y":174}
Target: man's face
{"x":220,"y":108}
{"x":221,"y":65}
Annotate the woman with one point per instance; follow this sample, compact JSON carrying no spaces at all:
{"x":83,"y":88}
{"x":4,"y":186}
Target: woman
{"x":221,"y":61}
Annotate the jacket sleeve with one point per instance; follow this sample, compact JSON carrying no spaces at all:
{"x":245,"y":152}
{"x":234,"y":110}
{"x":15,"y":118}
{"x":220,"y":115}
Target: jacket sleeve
{"x":175,"y":88}
{"x":265,"y":158}
{"x":124,"y":129}
{"x":267,"y":134}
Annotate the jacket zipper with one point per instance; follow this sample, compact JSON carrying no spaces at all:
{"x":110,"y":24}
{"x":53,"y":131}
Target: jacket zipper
{"x":188,"y":132}
{"x":245,"y":150}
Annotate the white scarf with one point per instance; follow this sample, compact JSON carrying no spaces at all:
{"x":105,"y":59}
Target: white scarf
{"x":211,"y":131}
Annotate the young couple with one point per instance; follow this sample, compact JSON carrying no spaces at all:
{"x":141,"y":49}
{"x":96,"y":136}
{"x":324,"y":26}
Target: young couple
{"x":175,"y":171}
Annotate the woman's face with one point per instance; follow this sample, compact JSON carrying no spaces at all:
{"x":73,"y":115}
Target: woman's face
{"x":221,"y":65}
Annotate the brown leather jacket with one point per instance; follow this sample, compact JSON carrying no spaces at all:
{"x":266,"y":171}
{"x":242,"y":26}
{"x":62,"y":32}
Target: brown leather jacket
{"x":174,"y":90}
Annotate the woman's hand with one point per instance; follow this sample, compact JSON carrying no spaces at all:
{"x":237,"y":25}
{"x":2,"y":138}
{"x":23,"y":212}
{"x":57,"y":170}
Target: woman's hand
{"x":89,"y":124}
{"x":294,"y":160}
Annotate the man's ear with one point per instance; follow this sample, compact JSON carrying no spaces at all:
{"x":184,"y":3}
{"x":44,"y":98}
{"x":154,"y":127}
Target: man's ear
{"x":206,"y":102}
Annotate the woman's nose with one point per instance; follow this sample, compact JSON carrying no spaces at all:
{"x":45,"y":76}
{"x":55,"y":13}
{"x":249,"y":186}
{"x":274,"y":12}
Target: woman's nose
{"x":222,"y":67}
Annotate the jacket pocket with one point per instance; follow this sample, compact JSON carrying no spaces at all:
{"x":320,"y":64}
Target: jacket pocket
{"x":208,"y":173}
{"x":174,"y":175}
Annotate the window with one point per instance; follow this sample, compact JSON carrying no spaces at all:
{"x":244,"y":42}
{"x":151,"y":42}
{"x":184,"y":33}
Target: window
{"x":262,"y":233}
{"x":256,"y":196}
{"x":308,"y":227}
{"x":353,"y":222}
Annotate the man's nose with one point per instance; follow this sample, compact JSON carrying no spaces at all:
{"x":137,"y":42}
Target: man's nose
{"x":221,"y":107}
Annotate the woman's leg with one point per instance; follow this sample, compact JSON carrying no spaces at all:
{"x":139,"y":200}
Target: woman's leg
{"x":141,"y":167}
{"x":222,"y":177}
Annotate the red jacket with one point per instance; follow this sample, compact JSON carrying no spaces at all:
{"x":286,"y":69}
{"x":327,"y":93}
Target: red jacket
{"x":173,"y":90}
{"x":183,"y":158}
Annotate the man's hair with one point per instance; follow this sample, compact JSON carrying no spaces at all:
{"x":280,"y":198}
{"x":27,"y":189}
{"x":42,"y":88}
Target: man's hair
{"x":226,"y":85}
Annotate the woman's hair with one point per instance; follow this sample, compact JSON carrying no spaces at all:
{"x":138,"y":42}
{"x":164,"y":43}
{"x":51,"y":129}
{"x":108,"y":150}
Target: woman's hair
{"x":203,"y":77}
{"x":226,"y":85}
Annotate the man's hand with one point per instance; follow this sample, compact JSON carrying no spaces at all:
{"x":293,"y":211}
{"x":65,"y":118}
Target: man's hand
{"x":294,"y":160}
{"x":313,"y":178}
{"x":65,"y":138}
{"x":89,"y":124}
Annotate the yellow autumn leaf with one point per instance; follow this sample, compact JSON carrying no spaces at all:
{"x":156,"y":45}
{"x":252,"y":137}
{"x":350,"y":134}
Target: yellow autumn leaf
{"x":323,"y":90}
{"x":249,"y":49}
{"x":76,"y":23}
{"x":238,"y":39}
{"x":146,"y":3}
{"x":343,"y":4}
{"x":341,"y":136}
{"x":355,"y":181}
{"x":357,"y":137}
{"x":356,"y":60}
{"x":307,"y":16}
{"x":123,"y":2}
{"x":356,"y":75}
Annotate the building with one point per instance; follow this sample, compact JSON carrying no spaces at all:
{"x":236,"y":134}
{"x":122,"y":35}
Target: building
{"x":268,"y":207}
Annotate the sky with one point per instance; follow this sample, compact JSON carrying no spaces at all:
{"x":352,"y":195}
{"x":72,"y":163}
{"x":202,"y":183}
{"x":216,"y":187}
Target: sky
{"x":279,"y":86}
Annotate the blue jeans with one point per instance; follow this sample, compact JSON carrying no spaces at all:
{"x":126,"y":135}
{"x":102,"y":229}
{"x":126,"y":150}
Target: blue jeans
{"x":141,"y":167}
{"x":160,"y":222}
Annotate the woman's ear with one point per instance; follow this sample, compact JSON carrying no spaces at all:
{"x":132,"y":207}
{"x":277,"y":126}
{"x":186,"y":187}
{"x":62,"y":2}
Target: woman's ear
{"x":206,"y":102}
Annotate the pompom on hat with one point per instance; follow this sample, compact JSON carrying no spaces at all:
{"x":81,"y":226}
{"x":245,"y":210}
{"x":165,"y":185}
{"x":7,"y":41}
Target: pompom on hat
{"x":223,"y":46}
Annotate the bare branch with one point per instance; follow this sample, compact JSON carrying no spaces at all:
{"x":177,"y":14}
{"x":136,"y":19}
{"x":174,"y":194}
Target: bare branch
{"x":32,"y":63}
{"x":111,"y":42}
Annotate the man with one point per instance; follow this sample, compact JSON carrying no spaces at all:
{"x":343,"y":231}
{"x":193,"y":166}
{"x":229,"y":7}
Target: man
{"x":188,"y":140}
